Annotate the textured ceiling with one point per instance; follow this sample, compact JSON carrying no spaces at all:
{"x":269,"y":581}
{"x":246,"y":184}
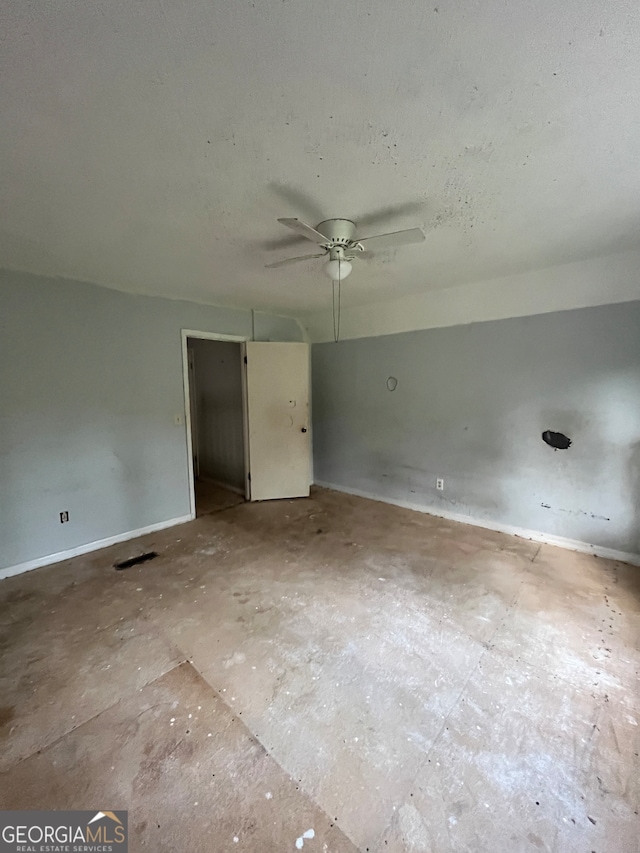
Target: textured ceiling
{"x":151,"y":145}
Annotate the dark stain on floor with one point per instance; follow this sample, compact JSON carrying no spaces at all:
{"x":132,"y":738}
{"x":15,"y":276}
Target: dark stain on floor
{"x":7,"y":713}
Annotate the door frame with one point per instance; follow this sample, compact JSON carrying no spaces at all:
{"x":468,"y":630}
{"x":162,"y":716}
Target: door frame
{"x":212,"y":336}
{"x":193,"y":412}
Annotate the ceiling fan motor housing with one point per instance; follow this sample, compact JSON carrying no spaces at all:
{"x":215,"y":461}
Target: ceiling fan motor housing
{"x":339,"y":232}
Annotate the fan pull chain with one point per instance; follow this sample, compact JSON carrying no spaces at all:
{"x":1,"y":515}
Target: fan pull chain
{"x":336,"y":320}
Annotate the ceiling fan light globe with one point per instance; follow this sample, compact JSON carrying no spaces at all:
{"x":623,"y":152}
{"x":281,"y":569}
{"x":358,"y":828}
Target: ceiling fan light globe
{"x":337,"y":270}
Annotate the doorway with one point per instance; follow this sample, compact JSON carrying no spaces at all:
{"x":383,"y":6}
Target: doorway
{"x":247,"y":411}
{"x":217,"y":422}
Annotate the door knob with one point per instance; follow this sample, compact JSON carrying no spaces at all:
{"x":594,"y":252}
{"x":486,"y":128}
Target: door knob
{"x":304,"y":429}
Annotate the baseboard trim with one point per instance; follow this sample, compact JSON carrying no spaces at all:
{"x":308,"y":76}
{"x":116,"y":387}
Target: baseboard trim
{"x":523,"y":533}
{"x":91,"y":546}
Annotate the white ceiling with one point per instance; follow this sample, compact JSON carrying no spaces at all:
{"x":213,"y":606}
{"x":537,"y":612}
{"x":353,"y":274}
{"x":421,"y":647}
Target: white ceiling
{"x":151,"y":145}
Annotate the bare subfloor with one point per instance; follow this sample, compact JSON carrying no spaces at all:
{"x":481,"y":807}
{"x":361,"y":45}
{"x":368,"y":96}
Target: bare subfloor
{"x":389,"y":680}
{"x":212,"y":498}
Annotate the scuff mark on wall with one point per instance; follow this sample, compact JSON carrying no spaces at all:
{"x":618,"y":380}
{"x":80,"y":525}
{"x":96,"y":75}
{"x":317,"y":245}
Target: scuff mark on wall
{"x":576,"y":512}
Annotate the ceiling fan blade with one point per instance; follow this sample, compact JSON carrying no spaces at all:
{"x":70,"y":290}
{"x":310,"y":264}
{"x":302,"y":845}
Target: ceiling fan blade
{"x":299,"y":201}
{"x":395,"y":238}
{"x":294,"y":260}
{"x":306,"y":230}
{"x":289,"y":241}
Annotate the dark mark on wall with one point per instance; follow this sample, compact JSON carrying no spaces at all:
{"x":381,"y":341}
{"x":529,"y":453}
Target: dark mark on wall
{"x":134,"y":561}
{"x":577,"y":512}
{"x":557,"y":440}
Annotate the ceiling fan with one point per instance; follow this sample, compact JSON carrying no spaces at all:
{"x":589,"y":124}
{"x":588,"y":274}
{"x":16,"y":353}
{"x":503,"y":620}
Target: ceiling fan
{"x":340,"y":245}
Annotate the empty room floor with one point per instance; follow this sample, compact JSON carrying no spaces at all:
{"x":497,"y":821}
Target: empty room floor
{"x":330,"y":674}
{"x":212,"y":498}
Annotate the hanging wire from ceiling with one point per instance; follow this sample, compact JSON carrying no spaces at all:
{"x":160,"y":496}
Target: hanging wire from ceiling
{"x":336,"y":313}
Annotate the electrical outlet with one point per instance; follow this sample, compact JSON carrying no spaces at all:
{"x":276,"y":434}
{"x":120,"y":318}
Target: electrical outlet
{"x":64,"y":516}
{"x":440,"y":484}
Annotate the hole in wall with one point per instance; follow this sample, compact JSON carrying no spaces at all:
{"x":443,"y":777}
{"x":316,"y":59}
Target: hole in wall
{"x":392,"y":383}
{"x":135,"y":561}
{"x":557,"y":440}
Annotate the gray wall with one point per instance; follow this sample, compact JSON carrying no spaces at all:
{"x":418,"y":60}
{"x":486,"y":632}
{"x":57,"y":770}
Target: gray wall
{"x":219,"y":407}
{"x":90,"y":382}
{"x":470,"y":406}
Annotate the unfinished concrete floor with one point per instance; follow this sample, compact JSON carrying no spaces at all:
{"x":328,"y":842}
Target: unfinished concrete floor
{"x":387,"y":680}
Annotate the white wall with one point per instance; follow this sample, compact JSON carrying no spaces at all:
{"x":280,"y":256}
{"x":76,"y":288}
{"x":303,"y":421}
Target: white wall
{"x":219,"y":409}
{"x":90,"y":382}
{"x":470,"y":406}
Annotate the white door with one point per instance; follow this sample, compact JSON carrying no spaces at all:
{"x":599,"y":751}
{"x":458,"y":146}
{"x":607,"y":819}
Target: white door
{"x":278,"y":417}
